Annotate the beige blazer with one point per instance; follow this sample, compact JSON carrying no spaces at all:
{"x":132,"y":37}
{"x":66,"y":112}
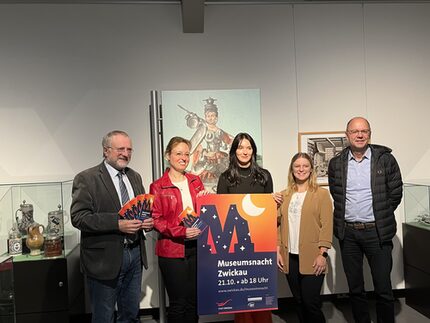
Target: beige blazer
{"x":316,"y":228}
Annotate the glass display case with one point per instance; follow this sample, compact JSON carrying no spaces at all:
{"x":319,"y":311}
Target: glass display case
{"x":417,"y":203}
{"x":40,"y":280}
{"x":39,"y":214}
{"x":416,"y":238}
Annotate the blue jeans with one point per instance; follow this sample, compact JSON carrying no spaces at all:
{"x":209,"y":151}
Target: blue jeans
{"x":355,"y":244}
{"x":123,"y":291}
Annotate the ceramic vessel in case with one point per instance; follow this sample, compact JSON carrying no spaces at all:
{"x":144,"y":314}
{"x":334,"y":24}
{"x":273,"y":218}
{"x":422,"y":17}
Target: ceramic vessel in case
{"x":35,"y":238}
{"x":14,"y":241}
{"x":55,"y":222}
{"x":53,"y":246}
{"x":26,"y":217}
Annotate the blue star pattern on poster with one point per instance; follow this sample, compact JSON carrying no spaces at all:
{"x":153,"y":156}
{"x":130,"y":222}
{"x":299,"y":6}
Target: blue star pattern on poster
{"x":222,"y":238}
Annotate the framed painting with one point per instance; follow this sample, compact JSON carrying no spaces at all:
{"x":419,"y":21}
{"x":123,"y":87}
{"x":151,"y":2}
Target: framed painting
{"x":322,"y":146}
{"x":210,"y":119}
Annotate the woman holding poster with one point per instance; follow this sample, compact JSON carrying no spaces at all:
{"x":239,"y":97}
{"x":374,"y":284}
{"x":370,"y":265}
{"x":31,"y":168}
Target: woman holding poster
{"x":304,"y":235}
{"x":245,"y":176}
{"x":176,"y":247}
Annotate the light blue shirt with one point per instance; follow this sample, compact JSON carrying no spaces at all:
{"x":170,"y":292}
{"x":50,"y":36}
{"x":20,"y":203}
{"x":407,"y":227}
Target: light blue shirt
{"x":358,"y":207}
{"x":115,"y":179}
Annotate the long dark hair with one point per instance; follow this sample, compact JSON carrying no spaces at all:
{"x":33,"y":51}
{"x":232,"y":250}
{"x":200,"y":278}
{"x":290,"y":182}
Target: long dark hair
{"x":232,"y":173}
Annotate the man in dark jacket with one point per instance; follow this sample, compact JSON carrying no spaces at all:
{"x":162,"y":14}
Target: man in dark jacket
{"x":112,"y":249}
{"x":366,"y":186}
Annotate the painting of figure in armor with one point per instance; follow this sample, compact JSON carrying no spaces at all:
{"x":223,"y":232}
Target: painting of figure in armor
{"x":210,"y":120}
{"x":209,"y":144}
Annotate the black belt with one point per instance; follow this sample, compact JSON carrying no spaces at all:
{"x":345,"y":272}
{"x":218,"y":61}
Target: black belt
{"x":131,"y":245}
{"x":361,"y":225}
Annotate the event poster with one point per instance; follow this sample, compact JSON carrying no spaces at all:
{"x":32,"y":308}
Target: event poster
{"x":236,"y":267}
{"x":210,"y":119}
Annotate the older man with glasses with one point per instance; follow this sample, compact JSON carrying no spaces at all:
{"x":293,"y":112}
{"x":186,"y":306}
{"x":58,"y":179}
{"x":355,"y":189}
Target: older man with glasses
{"x":366,"y":186}
{"x":112,"y":249}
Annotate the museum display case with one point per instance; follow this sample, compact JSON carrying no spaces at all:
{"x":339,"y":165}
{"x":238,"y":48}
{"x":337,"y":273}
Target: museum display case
{"x":39,"y":211}
{"x":416,"y":238}
{"x":417,"y":204}
{"x":42,"y":248}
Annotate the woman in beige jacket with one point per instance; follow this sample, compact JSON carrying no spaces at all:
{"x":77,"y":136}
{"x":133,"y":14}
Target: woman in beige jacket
{"x":305,"y":227}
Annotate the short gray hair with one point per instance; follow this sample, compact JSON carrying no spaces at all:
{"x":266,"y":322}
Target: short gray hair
{"x":107,"y":138}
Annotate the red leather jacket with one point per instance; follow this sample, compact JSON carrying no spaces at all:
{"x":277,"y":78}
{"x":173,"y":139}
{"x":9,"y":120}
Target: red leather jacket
{"x":166,"y":209}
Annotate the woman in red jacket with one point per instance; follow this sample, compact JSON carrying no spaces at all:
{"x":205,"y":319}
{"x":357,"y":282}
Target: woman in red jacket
{"x":176,"y":247}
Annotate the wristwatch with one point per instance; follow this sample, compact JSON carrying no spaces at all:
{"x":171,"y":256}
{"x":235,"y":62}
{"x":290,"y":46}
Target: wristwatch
{"x":324,"y":254}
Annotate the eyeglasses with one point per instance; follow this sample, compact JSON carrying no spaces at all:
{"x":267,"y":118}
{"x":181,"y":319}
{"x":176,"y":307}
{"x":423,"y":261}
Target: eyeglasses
{"x":356,"y":132}
{"x":180,"y":154}
{"x":122,"y":150}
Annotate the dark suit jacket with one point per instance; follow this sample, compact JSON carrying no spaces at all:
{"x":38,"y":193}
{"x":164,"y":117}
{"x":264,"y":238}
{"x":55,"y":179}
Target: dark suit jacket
{"x":94,"y":211}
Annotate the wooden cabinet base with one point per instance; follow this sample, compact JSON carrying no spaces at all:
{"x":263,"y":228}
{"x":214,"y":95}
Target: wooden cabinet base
{"x":417,"y":268}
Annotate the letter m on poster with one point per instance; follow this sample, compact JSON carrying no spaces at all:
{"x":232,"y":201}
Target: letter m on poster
{"x":236,"y":266}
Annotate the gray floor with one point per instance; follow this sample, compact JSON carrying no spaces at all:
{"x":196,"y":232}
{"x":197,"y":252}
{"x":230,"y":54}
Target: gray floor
{"x":340,"y":312}
{"x":335,"y":312}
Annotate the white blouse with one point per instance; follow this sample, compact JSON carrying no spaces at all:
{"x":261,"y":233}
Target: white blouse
{"x":294,"y":215}
{"x":185,"y":194}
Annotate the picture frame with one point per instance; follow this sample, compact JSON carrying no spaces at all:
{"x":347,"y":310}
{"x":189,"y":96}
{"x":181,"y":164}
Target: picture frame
{"x":321,"y":147}
{"x":184,"y":114}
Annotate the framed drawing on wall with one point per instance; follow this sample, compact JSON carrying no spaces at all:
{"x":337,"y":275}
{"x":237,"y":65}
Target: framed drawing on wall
{"x":322,"y":146}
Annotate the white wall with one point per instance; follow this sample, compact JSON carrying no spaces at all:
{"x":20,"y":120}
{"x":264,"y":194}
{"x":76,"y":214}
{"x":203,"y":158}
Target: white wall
{"x":71,"y":73}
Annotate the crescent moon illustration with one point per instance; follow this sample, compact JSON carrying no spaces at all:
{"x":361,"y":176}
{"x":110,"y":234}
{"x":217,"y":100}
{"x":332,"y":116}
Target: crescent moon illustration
{"x":250,"y":208}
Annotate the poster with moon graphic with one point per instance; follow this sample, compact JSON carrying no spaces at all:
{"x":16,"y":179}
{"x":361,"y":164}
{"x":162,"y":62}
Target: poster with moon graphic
{"x":236,"y":267}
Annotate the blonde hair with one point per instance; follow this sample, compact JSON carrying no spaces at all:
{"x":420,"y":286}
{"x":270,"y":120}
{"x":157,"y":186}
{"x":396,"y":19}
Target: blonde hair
{"x":312,"y":180}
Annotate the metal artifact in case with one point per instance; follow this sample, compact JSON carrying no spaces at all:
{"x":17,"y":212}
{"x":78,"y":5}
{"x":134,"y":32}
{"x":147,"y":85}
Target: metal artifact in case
{"x":41,"y":213}
{"x":417,"y":203}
